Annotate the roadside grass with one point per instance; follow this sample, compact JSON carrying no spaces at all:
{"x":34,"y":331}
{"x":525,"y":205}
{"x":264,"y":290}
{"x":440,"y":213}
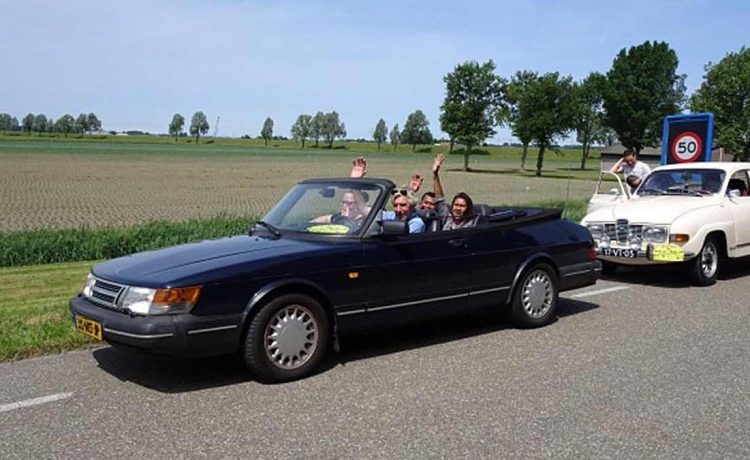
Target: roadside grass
{"x":35,"y":247}
{"x":34,"y":318}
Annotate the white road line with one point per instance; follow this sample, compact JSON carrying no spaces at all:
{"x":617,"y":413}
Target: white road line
{"x":34,"y":402}
{"x":599,"y":291}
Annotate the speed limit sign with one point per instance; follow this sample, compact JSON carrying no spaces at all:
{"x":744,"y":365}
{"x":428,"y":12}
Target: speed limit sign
{"x":686,"y":147}
{"x":687,"y":138}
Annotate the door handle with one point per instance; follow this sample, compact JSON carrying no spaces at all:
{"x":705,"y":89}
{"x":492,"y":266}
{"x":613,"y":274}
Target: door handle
{"x":458,"y":242}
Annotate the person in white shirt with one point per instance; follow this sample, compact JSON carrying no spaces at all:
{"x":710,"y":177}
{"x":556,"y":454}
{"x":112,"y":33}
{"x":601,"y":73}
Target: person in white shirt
{"x":629,"y":165}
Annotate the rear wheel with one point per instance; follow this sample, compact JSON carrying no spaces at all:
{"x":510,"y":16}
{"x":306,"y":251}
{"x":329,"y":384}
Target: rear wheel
{"x":705,"y":266}
{"x":535,"y":298}
{"x":287,"y":339}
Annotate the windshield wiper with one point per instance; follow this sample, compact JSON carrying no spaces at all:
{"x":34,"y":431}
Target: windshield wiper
{"x":273,"y":230}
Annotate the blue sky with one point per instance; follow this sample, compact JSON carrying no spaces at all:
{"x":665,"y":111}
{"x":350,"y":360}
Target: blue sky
{"x":137,"y":63}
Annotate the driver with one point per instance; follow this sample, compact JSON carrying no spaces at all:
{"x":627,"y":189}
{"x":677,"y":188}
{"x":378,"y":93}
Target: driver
{"x":352,"y":211}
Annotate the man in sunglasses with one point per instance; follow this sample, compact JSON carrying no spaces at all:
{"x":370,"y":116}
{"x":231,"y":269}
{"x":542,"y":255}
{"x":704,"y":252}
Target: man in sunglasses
{"x":404,"y":202}
{"x":435,"y":200}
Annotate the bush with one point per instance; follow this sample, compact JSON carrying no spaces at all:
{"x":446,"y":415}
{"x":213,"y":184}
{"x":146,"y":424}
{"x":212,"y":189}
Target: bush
{"x":69,"y":245}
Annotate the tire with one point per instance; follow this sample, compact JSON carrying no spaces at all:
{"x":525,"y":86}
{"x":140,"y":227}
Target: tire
{"x":704,"y":267}
{"x":535,"y":297}
{"x":608,"y":268}
{"x":287,"y":339}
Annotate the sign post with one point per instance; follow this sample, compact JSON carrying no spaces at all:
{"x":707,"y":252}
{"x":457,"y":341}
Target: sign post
{"x":687,"y":138}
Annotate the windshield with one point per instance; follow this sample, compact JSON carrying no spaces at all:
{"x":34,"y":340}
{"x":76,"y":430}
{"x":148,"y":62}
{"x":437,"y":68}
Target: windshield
{"x":330,"y":207}
{"x":697,"y":182}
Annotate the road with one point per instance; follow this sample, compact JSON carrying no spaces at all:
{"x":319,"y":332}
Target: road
{"x":638,"y":366}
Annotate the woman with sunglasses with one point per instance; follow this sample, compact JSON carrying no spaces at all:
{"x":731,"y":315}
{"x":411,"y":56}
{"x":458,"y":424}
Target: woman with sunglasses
{"x":403,"y":203}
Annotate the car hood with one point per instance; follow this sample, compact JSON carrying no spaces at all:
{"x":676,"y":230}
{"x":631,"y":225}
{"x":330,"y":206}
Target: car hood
{"x":652,"y":209}
{"x":201,"y":262}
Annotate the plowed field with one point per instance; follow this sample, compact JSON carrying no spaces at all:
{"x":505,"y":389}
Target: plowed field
{"x":72,"y":186}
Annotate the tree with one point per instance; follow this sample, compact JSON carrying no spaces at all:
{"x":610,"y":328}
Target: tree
{"x":93,"y":122}
{"x":176,"y":125}
{"x":28,"y":123}
{"x":381,"y":133}
{"x":332,"y":128}
{"x":66,"y":124}
{"x":472,"y":105}
{"x":416,"y":130}
{"x":549,"y":106}
{"x":40,"y":123}
{"x":302,"y":128}
{"x":8,"y":122}
{"x":725,"y":91}
{"x":267,"y":131}
{"x":395,"y":136}
{"x":198,"y":125}
{"x":642,"y":89}
{"x":589,"y":118}
{"x":81,"y":124}
{"x":316,"y":126}
{"x":519,"y":113}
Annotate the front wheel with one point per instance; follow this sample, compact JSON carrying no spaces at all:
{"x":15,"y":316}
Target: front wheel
{"x":535,"y":298}
{"x":287,"y":339}
{"x":705,"y":266}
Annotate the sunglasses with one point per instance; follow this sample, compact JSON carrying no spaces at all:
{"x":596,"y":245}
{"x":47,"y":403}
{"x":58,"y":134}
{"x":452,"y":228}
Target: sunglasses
{"x":403,"y":192}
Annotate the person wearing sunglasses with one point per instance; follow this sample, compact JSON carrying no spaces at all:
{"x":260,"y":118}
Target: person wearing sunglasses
{"x":404,"y":202}
{"x":434,"y":200}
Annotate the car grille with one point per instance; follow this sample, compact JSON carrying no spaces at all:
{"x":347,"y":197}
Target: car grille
{"x":622,"y":232}
{"x":106,"y":293}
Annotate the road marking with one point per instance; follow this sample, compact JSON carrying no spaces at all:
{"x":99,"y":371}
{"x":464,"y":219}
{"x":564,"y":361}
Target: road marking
{"x":34,"y":402}
{"x":599,"y":291}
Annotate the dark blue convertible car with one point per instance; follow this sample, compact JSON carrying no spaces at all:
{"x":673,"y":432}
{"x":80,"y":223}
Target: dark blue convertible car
{"x":280,"y":295}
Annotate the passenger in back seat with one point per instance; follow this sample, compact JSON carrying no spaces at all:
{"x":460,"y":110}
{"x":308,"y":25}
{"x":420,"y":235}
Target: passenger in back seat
{"x":462,"y":213}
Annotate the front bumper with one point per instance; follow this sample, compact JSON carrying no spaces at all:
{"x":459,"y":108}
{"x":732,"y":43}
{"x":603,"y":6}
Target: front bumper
{"x":643,"y":257}
{"x":182,"y":335}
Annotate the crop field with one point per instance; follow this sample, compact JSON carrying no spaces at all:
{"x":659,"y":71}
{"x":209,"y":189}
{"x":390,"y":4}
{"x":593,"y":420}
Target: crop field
{"x":52,"y":185}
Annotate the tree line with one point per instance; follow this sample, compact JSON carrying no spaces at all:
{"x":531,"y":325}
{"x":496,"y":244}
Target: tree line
{"x":627,"y":104}
{"x":40,"y":124}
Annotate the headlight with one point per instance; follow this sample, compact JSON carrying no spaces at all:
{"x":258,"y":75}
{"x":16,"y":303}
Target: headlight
{"x":145,"y":301}
{"x":596,"y":231}
{"x":88,"y":285}
{"x":655,"y":234}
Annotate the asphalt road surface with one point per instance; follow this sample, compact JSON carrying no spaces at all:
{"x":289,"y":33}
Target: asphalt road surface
{"x":638,"y":366}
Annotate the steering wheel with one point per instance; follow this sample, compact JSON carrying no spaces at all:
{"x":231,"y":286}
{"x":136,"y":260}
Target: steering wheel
{"x":346,"y":221}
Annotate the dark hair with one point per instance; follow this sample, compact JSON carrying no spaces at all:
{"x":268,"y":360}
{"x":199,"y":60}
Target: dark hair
{"x":628,"y":151}
{"x":633,"y":181}
{"x":425,"y":194}
{"x":469,"y":203}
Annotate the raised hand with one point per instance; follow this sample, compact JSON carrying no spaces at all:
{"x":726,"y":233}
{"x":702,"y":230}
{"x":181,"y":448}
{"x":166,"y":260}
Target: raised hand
{"x":415,"y":182}
{"x":439,"y":159}
{"x":359,"y":168}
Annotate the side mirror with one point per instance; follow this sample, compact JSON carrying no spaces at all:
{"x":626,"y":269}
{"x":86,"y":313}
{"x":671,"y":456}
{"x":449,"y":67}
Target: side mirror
{"x":733,"y":193}
{"x":614,"y":191}
{"x":394,"y":227}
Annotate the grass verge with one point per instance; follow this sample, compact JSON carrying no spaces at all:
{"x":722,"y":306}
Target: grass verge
{"x":37,"y":247}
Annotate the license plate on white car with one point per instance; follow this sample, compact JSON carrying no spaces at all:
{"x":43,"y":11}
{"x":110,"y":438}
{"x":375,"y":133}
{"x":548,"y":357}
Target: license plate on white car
{"x":618,"y":252}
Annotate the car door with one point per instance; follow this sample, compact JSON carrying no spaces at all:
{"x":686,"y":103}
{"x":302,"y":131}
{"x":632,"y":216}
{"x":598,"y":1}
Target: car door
{"x":739,"y":206}
{"x":416,"y":272}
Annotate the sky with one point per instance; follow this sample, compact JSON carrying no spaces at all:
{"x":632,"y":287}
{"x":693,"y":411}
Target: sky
{"x":137,"y":63}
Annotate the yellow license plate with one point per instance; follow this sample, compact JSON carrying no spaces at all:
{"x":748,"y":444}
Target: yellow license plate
{"x":668,"y":253}
{"x":89,"y":327}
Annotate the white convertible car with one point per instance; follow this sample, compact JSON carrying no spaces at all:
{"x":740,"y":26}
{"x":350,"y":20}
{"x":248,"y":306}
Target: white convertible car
{"x":696,"y":213}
